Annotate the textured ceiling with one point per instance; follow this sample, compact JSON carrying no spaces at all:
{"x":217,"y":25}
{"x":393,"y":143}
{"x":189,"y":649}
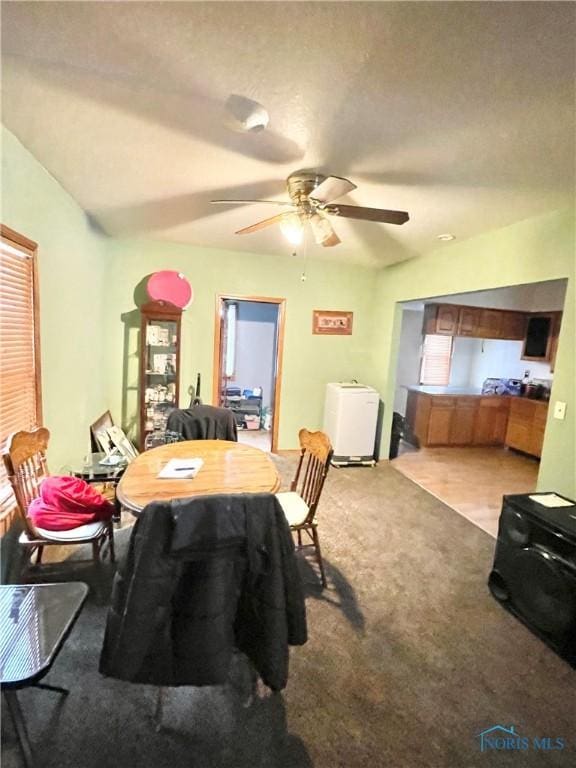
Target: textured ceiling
{"x":462,"y":114}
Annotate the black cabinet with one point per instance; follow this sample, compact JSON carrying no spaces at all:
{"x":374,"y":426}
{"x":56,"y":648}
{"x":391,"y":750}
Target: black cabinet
{"x":538,"y":337}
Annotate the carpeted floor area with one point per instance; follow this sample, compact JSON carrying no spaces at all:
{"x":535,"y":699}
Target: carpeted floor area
{"x":409,"y":658}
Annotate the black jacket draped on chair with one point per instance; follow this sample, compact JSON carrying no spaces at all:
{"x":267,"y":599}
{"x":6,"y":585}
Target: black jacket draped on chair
{"x":201,"y":577}
{"x":203,"y":422}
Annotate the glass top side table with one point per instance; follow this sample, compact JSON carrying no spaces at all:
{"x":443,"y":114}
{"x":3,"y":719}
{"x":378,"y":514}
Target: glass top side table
{"x":36,"y":620}
{"x":92,"y":470}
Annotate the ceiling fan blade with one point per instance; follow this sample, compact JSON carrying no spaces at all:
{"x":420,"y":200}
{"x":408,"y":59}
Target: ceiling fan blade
{"x":261,"y":224}
{"x":331,"y":188}
{"x":367,"y":214}
{"x":251,"y":202}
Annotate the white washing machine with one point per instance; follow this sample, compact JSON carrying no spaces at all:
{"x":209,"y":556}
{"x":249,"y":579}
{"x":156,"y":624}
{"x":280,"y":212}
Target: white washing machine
{"x":350,"y":420}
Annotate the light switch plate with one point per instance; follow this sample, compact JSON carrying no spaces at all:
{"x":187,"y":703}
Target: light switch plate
{"x":559,"y":410}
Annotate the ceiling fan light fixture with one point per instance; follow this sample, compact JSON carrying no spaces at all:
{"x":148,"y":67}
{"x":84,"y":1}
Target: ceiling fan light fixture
{"x":321,"y":229}
{"x":292,"y":228}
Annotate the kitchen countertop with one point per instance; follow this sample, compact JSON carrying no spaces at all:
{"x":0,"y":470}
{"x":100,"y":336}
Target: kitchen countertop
{"x":448,"y":390}
{"x":465,"y":392}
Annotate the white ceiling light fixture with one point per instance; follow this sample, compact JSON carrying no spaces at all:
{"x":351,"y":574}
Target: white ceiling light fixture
{"x":246,"y":115}
{"x":292,"y":228}
{"x":446,"y":237}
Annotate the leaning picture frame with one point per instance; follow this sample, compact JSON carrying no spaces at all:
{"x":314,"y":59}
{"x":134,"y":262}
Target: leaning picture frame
{"x":326,"y":322}
{"x":104,"y":441}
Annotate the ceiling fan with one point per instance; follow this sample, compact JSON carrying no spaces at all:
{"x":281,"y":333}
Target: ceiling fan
{"x":311,"y":197}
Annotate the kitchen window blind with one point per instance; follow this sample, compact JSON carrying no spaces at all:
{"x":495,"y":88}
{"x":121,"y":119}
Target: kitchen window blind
{"x":20,"y":394}
{"x":436,"y":357}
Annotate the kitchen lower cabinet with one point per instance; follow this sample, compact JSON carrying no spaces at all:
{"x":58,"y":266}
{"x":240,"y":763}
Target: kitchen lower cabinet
{"x":439,"y":427}
{"x":458,"y":419}
{"x":491,"y":421}
{"x":516,"y":422}
{"x":526,"y":425}
{"x":463,"y":420}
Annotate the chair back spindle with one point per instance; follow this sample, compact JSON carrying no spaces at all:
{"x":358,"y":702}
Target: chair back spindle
{"x":26,"y":466}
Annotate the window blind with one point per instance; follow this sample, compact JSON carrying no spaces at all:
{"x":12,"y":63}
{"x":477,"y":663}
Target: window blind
{"x":19,"y":359}
{"x":436,"y":357}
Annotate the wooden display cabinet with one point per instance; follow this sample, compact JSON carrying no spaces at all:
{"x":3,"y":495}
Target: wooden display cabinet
{"x":159,"y":365}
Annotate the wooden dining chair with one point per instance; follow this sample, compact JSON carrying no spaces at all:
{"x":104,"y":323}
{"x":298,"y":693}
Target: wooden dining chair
{"x":25,"y":462}
{"x":301,"y":502}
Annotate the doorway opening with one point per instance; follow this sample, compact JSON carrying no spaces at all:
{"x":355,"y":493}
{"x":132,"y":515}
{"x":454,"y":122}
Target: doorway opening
{"x":248,"y":348}
{"x":473,"y":382}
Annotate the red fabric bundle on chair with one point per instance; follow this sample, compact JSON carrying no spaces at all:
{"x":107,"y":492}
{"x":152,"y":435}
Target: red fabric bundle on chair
{"x":68,"y":502}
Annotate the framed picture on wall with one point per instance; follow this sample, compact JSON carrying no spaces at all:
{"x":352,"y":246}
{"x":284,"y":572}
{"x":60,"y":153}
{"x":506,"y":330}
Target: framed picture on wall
{"x":326,"y":322}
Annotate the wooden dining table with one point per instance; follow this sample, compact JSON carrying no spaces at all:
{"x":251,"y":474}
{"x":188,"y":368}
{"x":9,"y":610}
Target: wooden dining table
{"x":227,"y":467}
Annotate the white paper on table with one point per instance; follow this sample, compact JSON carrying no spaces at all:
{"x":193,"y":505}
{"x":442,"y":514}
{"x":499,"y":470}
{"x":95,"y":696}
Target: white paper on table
{"x":550,"y":500}
{"x":181,"y":469}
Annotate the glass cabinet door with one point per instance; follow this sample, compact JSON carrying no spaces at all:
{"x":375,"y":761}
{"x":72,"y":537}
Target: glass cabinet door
{"x":159,"y":367}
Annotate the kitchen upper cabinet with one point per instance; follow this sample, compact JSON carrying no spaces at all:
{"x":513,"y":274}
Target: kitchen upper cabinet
{"x":538,"y":330}
{"x":513,"y":326}
{"x":475,"y":322}
{"x":468,"y":321}
{"x":490,"y":325}
{"x":447,"y":319}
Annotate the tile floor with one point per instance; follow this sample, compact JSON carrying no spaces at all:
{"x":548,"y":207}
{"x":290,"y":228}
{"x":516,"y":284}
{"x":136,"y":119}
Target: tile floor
{"x":257,"y":438}
{"x":470,"y":480}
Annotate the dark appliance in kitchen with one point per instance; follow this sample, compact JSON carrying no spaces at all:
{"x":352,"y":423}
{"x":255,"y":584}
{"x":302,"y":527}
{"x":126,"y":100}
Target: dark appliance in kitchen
{"x":534,"y":572}
{"x":538,"y":333}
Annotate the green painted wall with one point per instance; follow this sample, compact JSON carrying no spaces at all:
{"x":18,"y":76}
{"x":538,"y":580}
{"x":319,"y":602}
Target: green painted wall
{"x":72,"y":265}
{"x":90,"y":334}
{"x":541,"y":248}
{"x":309,"y":361}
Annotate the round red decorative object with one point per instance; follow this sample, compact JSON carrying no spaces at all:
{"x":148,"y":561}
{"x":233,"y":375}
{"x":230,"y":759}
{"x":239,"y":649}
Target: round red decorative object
{"x":171,"y":286}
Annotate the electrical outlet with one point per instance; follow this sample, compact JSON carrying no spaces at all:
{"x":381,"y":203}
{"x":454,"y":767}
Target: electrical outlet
{"x":559,"y":410}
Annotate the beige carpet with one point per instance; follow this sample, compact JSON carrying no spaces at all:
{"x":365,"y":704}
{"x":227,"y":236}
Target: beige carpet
{"x":409,"y":658}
